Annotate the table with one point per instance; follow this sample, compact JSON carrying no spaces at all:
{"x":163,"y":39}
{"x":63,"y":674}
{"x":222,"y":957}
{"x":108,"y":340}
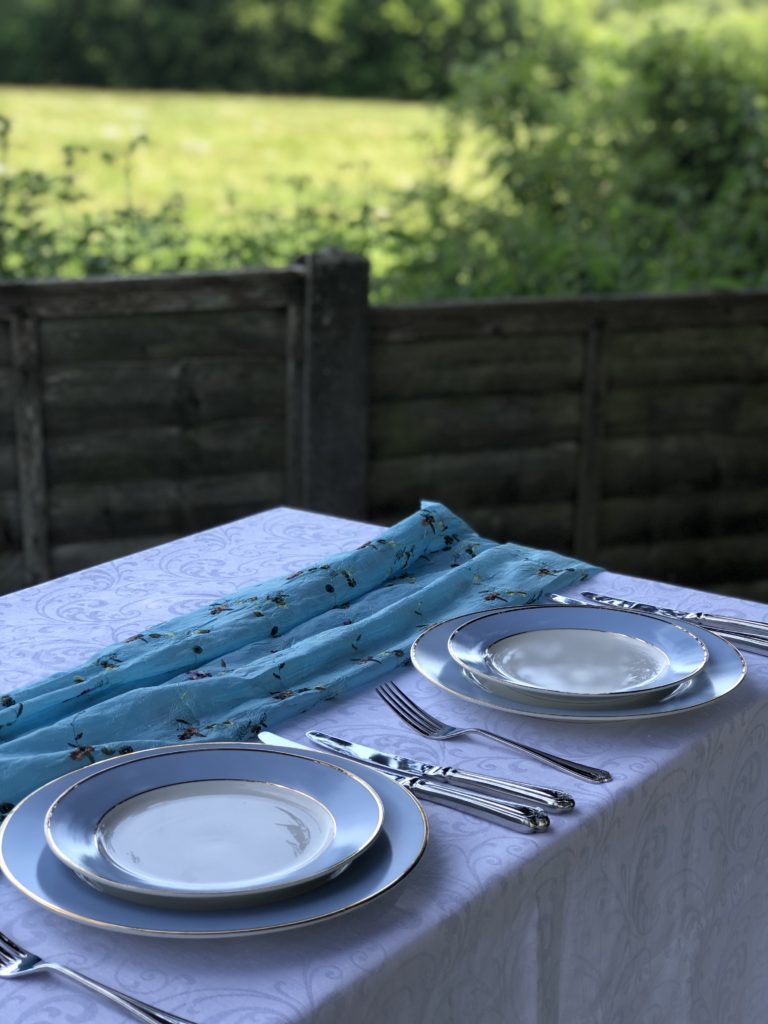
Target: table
{"x":648,"y":905}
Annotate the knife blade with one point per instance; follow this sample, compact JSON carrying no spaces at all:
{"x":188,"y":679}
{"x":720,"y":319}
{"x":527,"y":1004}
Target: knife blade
{"x":526,"y":819}
{"x":551,"y":799}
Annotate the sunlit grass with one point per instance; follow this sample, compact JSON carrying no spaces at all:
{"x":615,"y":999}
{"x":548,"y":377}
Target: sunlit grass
{"x":260,"y":152}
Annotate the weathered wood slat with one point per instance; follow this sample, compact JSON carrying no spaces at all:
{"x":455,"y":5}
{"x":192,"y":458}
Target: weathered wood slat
{"x":177,"y":293}
{"x":737,"y":408}
{"x":463,"y":424}
{"x":666,"y":516}
{"x":586,"y":517}
{"x":147,"y":383}
{"x":30,"y":448}
{"x":6,"y":381}
{"x":538,"y":524}
{"x":508,"y":317}
{"x":10,"y":519}
{"x":185,"y":393}
{"x":8,"y":465}
{"x":676,"y":465}
{"x":248,"y":334}
{"x":495,"y":366}
{"x":6,"y":360}
{"x":12,"y":571}
{"x":79,"y":512}
{"x":170,"y":450}
{"x":294,"y":433}
{"x":693,"y":562}
{"x":525,"y":475}
{"x":685,"y":357}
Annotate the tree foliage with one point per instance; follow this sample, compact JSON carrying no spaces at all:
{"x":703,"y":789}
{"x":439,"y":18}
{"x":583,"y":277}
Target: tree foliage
{"x":395,"y":48}
{"x":625,"y":142}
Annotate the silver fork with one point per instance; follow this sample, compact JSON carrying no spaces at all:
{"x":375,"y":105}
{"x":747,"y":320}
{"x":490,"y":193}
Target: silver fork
{"x":15,"y":962}
{"x":428,"y":725}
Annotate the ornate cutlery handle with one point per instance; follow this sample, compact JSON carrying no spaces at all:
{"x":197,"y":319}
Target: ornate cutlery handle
{"x":748,"y":644}
{"x":550,"y":799}
{"x":581,"y":771}
{"x":750,"y":628}
{"x":528,"y":819}
{"x":143,"y":1011}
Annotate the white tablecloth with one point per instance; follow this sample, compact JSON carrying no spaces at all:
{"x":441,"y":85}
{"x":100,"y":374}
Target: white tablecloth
{"x":648,"y":905}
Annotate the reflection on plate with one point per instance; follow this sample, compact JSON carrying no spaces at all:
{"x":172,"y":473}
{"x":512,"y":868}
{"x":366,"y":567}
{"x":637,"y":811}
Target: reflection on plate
{"x":577,"y":657}
{"x":30,"y":865}
{"x":221,"y":826}
{"x":724,"y":670}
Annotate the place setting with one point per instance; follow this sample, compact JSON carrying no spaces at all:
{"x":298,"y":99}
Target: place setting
{"x":215,"y":840}
{"x":578,"y":661}
{"x":233,"y":839}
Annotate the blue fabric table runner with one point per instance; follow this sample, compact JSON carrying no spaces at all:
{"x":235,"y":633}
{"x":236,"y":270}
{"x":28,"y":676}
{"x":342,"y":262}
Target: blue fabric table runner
{"x":268,"y":652}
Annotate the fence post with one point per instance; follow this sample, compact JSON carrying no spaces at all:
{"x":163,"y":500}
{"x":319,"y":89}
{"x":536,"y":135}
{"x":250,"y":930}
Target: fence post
{"x":331,"y":386}
{"x":30,"y":448}
{"x":586,"y":524}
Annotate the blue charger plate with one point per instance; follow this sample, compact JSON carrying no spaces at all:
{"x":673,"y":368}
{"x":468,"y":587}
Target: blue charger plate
{"x":31,"y":866}
{"x":724,"y":670}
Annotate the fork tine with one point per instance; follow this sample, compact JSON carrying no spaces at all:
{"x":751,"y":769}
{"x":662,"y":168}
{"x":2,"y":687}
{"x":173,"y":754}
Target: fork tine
{"x":413,"y":708}
{"x":391,"y":702}
{"x":6,"y":957}
{"x":9,"y":947}
{"x":397,"y":700}
{"x":395,"y":705}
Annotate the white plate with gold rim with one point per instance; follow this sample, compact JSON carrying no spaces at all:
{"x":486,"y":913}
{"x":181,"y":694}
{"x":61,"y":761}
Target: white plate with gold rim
{"x":213,"y":827}
{"x":577,"y":657}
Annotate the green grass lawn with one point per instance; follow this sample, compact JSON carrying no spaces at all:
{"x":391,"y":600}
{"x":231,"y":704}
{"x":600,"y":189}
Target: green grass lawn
{"x":216,"y":147}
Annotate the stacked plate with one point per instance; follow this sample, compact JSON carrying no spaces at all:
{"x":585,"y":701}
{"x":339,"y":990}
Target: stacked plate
{"x":215,"y":839}
{"x":581,"y":663}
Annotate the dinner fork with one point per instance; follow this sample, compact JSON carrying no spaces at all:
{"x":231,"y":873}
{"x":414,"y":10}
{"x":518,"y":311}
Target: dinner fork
{"x":15,"y":962}
{"x":428,"y":725}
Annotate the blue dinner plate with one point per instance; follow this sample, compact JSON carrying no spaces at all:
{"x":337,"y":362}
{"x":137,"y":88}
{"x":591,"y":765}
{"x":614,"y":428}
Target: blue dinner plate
{"x":220,"y":827}
{"x":577,"y":657}
{"x":31,"y":866}
{"x":724,"y":670}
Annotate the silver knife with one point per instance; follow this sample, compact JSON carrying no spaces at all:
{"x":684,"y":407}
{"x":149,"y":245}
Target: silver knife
{"x":710,"y":620}
{"x":527,"y":819}
{"x":748,"y":634}
{"x":550,"y":799}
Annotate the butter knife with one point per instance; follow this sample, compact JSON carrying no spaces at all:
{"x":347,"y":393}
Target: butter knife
{"x":526,"y":819}
{"x":746,"y":641}
{"x":752,"y":628}
{"x":550,"y":799}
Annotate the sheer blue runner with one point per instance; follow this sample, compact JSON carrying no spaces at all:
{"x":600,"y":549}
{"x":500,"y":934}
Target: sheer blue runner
{"x":265,"y":653}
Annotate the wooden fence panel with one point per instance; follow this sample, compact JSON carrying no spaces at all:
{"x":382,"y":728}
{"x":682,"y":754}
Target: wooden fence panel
{"x":478,"y":405}
{"x":629,"y":430}
{"x":147,"y":408}
{"x":11,"y":557}
{"x":632,"y":431}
